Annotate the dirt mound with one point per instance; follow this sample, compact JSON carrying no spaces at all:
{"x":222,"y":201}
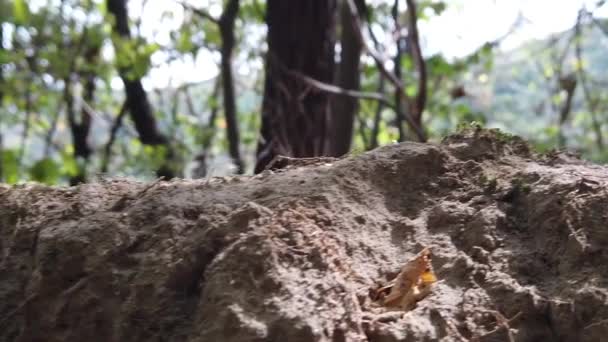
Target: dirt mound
{"x":517,"y":241}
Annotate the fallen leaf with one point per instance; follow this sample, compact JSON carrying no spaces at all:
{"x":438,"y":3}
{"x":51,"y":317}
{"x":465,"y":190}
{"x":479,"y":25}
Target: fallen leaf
{"x":412,"y":284}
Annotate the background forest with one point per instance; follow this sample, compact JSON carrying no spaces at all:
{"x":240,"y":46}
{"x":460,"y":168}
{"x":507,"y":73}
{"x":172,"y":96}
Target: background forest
{"x":177,"y":88}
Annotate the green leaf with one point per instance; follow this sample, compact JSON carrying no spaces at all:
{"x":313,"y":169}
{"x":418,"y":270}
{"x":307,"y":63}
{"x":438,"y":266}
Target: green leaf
{"x":5,"y":57}
{"x":21,"y":12}
{"x":142,"y":59}
{"x":10,"y":166}
{"x":439,"y":66}
{"x":184,"y":42}
{"x":411,"y":90}
{"x":69,"y":166}
{"x":438,"y":7}
{"x":212,"y":35}
{"x":45,"y":171}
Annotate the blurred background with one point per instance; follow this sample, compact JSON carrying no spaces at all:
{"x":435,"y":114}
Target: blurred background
{"x":199,"y":88}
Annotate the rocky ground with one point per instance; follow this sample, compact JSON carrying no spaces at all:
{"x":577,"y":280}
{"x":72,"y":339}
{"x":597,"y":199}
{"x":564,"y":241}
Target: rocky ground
{"x":518,"y":245}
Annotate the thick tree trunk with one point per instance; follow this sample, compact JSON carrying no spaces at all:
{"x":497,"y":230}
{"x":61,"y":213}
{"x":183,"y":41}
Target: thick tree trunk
{"x":345,"y":108}
{"x":137,"y":100}
{"x":226,"y":25}
{"x":295,"y":118}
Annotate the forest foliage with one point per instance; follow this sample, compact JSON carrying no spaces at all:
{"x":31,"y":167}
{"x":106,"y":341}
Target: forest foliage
{"x":72,"y":103}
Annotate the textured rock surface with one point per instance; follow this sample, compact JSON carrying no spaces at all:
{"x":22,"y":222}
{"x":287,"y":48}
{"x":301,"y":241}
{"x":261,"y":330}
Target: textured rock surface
{"x":290,"y":256}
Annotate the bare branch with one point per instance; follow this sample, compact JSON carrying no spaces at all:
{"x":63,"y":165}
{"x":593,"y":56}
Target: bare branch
{"x":380,"y":63}
{"x":48,"y":140}
{"x":26,"y":121}
{"x":330,"y":88}
{"x":382,"y":68}
{"x":377,"y":118}
{"x":362,"y":126}
{"x":113,"y":131}
{"x":199,"y":12}
{"x":416,"y":52}
{"x":210,"y":126}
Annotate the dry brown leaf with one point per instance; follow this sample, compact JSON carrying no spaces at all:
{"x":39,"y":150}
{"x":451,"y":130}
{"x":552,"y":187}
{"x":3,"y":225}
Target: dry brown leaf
{"x":411,"y":285}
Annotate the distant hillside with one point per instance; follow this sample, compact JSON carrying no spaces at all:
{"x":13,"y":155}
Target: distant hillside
{"x":520,"y":92}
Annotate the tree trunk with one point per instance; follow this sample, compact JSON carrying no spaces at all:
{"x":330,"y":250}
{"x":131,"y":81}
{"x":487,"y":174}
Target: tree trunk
{"x":568,"y":85}
{"x":345,"y":108}
{"x":295,"y":118}
{"x":226,"y":25}
{"x":399,"y":100}
{"x":417,"y":107}
{"x":137,"y":100}
{"x":80,"y":128}
{"x":139,"y":107}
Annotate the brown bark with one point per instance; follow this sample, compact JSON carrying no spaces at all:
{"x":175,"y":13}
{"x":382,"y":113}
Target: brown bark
{"x":345,"y":108}
{"x":81,"y":130}
{"x":417,"y":107}
{"x":295,"y":117}
{"x":567,"y":84}
{"x":399,"y":98}
{"x":226,"y":25}
{"x":137,"y":100}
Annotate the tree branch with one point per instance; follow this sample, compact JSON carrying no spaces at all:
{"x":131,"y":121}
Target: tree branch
{"x":26,"y":122}
{"x":421,"y":135}
{"x":51,"y":133}
{"x":226,"y":26}
{"x":377,"y":118}
{"x":362,"y":126}
{"x":113,"y":132}
{"x":330,"y":88}
{"x":398,"y":72}
{"x":416,"y":52}
{"x":199,"y":12}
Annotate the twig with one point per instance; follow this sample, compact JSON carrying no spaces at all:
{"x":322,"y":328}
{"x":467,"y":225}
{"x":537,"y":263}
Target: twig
{"x":200,"y":12}
{"x":501,"y":323}
{"x":18,"y":308}
{"x":330,"y":88}
{"x":26,"y":123}
{"x":210,"y":127}
{"x":362,"y":128}
{"x":113,"y":131}
{"x":51,"y":133}
{"x":594,"y":324}
{"x":377,"y":118}
{"x":451,"y":327}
